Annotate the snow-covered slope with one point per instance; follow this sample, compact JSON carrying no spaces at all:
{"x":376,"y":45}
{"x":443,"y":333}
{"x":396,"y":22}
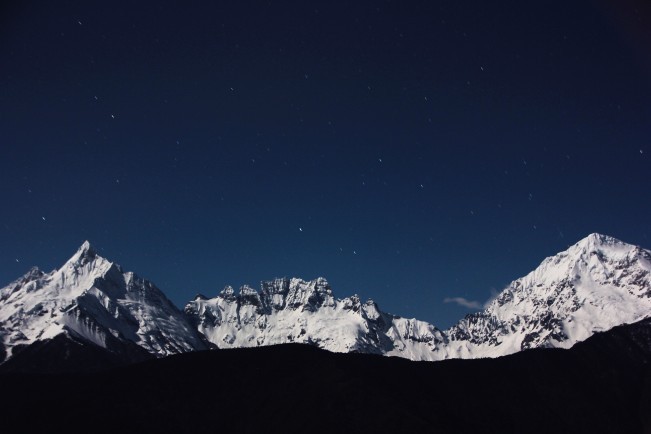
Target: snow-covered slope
{"x":595,"y":285}
{"x":294,"y":310}
{"x":92,"y":300}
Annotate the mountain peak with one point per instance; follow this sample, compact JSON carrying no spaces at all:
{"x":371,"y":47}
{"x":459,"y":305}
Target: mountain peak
{"x":594,"y":285}
{"x":597,"y":240}
{"x":92,"y":299}
{"x":598,"y":283}
{"x":86,"y":248}
{"x":84,"y":255}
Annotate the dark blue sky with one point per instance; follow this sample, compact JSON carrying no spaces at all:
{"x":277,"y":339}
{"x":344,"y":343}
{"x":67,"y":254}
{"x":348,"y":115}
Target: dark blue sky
{"x":406,"y":151}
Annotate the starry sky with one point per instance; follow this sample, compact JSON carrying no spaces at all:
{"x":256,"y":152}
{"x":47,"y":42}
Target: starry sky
{"x":410,"y":152}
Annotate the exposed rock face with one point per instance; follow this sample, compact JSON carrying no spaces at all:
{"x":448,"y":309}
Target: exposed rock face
{"x":93,"y":300}
{"x":595,"y":285}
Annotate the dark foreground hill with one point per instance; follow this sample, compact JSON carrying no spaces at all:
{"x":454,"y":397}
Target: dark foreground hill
{"x":602,"y":385}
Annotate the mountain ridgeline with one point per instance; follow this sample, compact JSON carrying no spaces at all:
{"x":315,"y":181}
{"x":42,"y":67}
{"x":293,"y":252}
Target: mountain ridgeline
{"x":599,"y":386}
{"x":595,"y":285}
{"x":92,"y":310}
{"x":91,"y":306}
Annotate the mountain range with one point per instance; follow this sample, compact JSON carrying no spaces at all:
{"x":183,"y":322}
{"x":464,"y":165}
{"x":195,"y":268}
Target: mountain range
{"x":92,"y":310}
{"x":599,"y":386}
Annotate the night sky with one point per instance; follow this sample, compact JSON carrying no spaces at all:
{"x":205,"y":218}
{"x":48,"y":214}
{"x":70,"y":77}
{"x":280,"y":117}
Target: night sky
{"x":407,"y":151}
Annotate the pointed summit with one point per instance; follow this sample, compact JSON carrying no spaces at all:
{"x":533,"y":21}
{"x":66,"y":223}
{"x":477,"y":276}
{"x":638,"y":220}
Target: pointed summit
{"x":92,"y":300}
{"x":595,"y":240}
{"x":602,"y":247}
{"x":86,"y":248}
{"x":596,"y":284}
{"x":85,"y":253}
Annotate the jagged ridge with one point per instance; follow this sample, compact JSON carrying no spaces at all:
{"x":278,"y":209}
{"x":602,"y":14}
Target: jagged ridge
{"x":90,"y":298}
{"x":294,"y":310}
{"x":595,"y":285}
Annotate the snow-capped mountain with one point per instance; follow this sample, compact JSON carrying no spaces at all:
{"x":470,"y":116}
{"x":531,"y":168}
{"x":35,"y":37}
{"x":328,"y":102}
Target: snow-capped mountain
{"x":595,"y":285}
{"x":92,"y":300}
{"x":294,"y":310}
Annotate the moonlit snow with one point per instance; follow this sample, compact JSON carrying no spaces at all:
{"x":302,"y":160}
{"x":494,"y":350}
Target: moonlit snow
{"x":595,"y":285}
{"x":91,"y":298}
